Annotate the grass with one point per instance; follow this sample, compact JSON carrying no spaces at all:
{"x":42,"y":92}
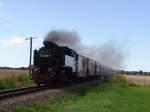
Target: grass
{"x":10,"y":79}
{"x":11,"y":72}
{"x":111,"y":95}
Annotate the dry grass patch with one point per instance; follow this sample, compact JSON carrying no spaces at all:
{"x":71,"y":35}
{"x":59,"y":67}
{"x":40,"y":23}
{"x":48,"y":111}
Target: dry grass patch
{"x":11,"y":72}
{"x":138,"y":80}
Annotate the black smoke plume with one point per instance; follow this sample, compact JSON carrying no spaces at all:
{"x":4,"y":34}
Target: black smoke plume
{"x":61,"y":37}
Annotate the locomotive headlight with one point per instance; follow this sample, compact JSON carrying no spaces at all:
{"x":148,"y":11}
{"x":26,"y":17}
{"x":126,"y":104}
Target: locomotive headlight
{"x":49,"y":69}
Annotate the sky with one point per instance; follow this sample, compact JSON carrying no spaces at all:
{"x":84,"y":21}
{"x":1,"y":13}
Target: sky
{"x":97,"y":21}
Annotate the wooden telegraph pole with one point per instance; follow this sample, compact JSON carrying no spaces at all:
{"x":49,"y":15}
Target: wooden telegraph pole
{"x":30,"y":59}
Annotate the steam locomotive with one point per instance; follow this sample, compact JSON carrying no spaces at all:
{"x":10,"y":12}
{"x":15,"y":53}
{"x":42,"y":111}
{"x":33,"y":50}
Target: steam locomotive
{"x":54,"y":64}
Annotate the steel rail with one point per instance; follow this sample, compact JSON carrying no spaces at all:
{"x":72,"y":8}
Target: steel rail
{"x":20,"y":91}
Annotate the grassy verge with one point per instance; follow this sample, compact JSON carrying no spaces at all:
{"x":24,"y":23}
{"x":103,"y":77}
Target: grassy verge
{"x":111,"y":95}
{"x":15,"y":81}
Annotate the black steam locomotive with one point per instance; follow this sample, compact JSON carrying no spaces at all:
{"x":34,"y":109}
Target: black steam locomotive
{"x":53,"y":64}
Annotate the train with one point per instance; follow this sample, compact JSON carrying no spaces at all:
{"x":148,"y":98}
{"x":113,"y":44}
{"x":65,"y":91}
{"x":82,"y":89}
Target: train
{"x":53,"y":63}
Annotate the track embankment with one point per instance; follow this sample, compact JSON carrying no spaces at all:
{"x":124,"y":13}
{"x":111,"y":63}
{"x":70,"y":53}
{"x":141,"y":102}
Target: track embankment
{"x":43,"y":95}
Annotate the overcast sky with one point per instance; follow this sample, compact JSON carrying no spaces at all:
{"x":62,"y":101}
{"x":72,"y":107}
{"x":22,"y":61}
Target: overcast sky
{"x":96,"y":21}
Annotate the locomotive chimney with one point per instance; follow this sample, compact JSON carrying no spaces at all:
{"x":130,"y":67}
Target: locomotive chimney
{"x":49,"y":44}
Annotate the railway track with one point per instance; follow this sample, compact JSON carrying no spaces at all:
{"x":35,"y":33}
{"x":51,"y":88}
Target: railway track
{"x":10,"y":98}
{"x":10,"y":93}
{"x":4,"y":94}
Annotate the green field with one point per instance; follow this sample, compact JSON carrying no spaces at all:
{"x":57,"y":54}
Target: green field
{"x":107,"y":96}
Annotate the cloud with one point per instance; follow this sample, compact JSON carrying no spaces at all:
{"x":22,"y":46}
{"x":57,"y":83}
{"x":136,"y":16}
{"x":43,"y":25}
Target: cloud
{"x":15,"y":40}
{"x":18,"y":40}
{"x":1,"y":3}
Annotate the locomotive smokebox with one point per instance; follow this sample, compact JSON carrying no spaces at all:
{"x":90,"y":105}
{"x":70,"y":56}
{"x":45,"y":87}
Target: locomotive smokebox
{"x":50,"y":44}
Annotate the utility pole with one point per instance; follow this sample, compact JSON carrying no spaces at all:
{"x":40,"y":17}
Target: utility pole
{"x":30,"y":59}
